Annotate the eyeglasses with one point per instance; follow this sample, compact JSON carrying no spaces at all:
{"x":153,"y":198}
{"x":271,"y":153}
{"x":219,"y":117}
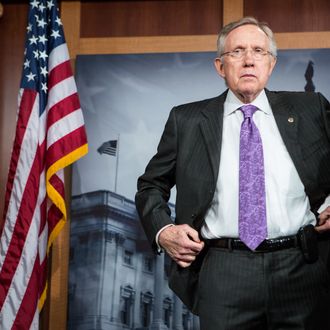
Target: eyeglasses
{"x":237,"y":54}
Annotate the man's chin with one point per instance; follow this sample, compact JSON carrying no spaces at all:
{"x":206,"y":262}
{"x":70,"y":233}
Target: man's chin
{"x":247,"y":95}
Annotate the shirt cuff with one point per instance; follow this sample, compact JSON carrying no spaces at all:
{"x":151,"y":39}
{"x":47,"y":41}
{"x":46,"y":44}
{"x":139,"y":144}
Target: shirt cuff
{"x":159,"y":248}
{"x":325,"y":204}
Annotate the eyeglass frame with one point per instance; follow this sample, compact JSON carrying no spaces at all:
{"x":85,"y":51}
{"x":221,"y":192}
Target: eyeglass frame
{"x":244,"y":52}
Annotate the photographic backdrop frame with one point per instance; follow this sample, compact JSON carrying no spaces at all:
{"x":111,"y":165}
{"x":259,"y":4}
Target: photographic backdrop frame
{"x":71,"y":13}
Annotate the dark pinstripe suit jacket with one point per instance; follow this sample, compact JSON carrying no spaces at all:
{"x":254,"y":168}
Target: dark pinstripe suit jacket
{"x":188,"y":156}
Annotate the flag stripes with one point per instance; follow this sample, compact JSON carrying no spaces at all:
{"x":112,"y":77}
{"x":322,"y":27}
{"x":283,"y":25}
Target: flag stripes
{"x":109,"y":147}
{"x":50,"y":135}
{"x":28,"y":98}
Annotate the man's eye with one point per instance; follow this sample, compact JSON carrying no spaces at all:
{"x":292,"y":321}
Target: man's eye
{"x":237,"y":51}
{"x":258,"y":50}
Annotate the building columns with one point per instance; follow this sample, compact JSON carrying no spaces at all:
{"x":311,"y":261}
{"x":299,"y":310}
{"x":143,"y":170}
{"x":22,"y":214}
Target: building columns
{"x":177,"y":315}
{"x":157,"y":322}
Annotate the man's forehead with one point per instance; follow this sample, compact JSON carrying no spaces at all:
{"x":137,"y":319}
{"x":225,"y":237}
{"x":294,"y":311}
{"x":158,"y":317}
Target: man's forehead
{"x":247,"y":33}
{"x":247,"y":28}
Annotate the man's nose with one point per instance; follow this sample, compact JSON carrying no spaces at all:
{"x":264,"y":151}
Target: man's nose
{"x":248,"y":57}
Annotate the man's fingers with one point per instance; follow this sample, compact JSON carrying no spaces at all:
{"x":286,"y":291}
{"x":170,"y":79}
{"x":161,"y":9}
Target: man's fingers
{"x":324,"y":215}
{"x":193,"y":243}
{"x":181,"y":236}
{"x":323,"y":227}
{"x":183,"y":264}
{"x":178,"y":253}
{"x":182,"y":243}
{"x":193,"y":234}
{"x":185,"y":261}
{"x":324,"y":221}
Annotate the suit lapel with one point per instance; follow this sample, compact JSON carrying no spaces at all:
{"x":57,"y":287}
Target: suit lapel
{"x":287,"y":120}
{"x":211,"y":127}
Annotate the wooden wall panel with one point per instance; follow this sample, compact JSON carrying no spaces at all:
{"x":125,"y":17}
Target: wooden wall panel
{"x":150,"y":18}
{"x":291,"y":15}
{"x":232,"y":10}
{"x":12,"y":27}
{"x":95,"y":27}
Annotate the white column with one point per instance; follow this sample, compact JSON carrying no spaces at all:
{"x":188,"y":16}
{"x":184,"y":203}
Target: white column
{"x":157,"y":322}
{"x":177,"y":322}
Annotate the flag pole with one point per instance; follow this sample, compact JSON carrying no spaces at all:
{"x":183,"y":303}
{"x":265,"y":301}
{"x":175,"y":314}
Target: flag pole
{"x":117,"y":162}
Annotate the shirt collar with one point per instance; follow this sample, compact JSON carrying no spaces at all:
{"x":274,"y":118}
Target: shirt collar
{"x":232,"y":103}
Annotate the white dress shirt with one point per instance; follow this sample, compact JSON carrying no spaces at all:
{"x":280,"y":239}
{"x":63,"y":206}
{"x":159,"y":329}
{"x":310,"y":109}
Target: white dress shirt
{"x":287,"y":206}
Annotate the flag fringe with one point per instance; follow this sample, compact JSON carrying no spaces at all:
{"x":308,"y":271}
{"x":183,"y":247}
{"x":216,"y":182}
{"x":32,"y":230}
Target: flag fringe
{"x":42,"y":298}
{"x":54,"y":195}
{"x":59,"y":201}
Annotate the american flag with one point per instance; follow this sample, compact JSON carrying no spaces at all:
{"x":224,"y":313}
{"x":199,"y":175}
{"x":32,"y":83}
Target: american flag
{"x":109,"y":147}
{"x":50,"y":135}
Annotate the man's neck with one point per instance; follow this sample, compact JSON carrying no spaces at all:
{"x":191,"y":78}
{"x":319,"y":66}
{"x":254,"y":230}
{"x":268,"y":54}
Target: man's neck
{"x":246,"y":98}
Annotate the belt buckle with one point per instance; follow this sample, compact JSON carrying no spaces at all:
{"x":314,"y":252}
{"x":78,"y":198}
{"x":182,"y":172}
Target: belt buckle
{"x":260,"y":248}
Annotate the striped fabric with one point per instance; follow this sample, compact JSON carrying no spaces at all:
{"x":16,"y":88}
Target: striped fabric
{"x":50,"y":135}
{"x":109,"y":147}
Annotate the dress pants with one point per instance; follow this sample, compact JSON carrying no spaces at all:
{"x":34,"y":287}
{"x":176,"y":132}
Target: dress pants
{"x":242,"y":290}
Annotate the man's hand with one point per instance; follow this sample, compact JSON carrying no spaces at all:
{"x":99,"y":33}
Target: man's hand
{"x":324,"y":221}
{"x":182,"y":244}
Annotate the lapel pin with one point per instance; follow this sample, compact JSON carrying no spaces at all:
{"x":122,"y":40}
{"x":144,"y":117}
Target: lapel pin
{"x":290,"y":120}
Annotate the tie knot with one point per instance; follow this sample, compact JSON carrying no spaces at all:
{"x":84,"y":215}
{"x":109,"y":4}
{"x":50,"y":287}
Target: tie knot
{"x":248,"y":110}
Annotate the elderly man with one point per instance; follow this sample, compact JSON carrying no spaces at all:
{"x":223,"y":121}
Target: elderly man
{"x":252,"y":172}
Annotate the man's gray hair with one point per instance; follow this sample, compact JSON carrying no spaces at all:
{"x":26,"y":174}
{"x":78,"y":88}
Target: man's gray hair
{"x":245,"y":21}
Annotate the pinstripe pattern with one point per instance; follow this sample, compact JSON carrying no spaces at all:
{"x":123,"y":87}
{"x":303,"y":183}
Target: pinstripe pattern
{"x":306,"y":137}
{"x":275,"y":290}
{"x":191,"y":145}
{"x":188,"y":156}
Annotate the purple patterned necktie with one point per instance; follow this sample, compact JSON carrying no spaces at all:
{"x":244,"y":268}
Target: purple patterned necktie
{"x":252,"y":197}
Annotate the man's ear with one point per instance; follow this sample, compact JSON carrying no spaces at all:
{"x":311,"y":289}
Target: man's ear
{"x":274,"y":60}
{"x":219,"y":67}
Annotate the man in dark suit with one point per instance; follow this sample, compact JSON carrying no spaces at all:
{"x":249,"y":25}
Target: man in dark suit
{"x":252,"y":173}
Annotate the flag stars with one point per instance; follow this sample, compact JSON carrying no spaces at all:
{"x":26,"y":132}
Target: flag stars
{"x":36,"y":54}
{"x":34,"y":4}
{"x":44,"y":87}
{"x":58,"y":21}
{"x":43,"y":71}
{"x":26,"y":64}
{"x":33,"y":40}
{"x":41,"y":23}
{"x":34,"y":80}
{"x":43,"y":55}
{"x":43,"y":39}
{"x":50,"y":4}
{"x":30,"y":76}
{"x":55,"y":34}
{"x":42,"y":7}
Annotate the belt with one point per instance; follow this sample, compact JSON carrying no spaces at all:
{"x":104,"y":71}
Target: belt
{"x":267,"y":245}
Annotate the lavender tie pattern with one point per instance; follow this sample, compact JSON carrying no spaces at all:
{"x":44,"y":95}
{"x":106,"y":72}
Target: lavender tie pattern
{"x":252,"y":200}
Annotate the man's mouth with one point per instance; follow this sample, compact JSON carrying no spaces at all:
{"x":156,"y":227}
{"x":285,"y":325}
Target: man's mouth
{"x":248,"y":75}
